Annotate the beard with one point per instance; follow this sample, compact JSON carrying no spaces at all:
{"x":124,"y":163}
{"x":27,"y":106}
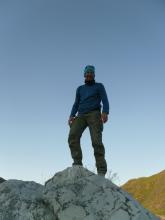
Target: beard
{"x":89,"y":82}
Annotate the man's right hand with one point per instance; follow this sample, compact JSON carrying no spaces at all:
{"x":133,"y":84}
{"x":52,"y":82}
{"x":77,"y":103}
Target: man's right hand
{"x":70,"y":121}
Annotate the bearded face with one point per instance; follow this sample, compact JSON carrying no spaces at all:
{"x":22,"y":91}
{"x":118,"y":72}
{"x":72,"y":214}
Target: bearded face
{"x":89,"y":78}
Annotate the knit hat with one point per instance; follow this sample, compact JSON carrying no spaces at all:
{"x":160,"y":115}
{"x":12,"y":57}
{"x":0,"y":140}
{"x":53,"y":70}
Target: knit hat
{"x":89,"y":68}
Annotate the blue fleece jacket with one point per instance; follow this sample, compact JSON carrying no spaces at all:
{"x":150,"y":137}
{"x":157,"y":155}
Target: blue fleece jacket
{"x":88,"y":98}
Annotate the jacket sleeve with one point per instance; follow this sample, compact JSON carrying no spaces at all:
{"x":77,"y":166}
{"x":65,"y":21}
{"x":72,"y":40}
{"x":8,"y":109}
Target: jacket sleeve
{"x":104,"y":98}
{"x":76,"y":104}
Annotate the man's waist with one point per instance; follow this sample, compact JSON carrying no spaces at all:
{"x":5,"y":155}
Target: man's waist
{"x":89,"y":110}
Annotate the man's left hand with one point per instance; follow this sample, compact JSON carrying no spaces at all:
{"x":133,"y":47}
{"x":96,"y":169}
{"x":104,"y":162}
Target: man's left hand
{"x":104,"y":117}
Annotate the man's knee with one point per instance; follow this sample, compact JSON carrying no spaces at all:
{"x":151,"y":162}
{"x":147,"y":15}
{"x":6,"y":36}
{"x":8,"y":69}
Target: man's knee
{"x":99,"y":149}
{"x":73,"y":137}
{"x":97,"y":142}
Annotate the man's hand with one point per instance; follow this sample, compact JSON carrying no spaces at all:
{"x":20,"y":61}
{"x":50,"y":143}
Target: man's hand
{"x":104,"y":117}
{"x":71,"y":119}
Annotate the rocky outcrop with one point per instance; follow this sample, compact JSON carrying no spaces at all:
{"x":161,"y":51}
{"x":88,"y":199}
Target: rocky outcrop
{"x":72,"y":194}
{"x":1,"y":180}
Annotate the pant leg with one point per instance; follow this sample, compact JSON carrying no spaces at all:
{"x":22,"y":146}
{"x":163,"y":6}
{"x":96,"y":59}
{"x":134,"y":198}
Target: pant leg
{"x":96,"y":128}
{"x":76,"y":129}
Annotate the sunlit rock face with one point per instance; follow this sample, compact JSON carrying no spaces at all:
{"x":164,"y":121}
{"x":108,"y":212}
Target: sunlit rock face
{"x":72,"y":194}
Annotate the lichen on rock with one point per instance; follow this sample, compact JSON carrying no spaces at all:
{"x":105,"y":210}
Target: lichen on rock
{"x":72,"y":194}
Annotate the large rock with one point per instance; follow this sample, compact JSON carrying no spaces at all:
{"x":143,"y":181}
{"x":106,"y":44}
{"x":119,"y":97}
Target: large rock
{"x":22,"y":200}
{"x":73,"y":194}
{"x":2,"y":180}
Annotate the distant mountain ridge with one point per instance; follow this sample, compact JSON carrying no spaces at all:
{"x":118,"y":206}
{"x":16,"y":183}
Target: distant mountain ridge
{"x":149,"y":191}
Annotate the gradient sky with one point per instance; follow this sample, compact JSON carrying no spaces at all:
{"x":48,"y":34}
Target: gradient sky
{"x":44,"y":47}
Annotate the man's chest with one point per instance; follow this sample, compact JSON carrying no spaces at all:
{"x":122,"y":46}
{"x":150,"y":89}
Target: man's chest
{"x":90,"y":91}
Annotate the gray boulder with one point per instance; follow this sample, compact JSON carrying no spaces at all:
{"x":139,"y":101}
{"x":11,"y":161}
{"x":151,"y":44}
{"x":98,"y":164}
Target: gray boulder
{"x":1,"y":180}
{"x":22,"y":200}
{"x":72,"y":194}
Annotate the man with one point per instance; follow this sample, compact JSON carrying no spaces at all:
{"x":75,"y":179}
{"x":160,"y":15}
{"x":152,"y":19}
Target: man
{"x":87,"y":104}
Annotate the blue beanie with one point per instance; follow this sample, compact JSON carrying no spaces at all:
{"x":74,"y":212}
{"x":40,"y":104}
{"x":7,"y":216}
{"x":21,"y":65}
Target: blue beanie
{"x":89,"y":68}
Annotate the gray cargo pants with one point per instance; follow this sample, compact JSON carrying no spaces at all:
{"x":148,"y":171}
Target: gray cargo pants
{"x":91,"y":120}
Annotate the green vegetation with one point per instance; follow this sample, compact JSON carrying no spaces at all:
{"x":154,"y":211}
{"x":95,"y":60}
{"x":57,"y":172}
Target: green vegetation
{"x":149,"y":191}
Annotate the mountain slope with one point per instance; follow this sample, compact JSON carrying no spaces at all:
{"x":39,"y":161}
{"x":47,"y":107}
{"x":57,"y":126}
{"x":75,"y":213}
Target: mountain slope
{"x":149,"y":191}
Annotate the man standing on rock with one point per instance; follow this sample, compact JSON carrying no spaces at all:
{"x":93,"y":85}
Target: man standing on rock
{"x":87,"y":104}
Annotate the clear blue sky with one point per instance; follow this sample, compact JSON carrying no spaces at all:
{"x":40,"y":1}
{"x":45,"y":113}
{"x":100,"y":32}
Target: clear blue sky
{"x":44,"y":47}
